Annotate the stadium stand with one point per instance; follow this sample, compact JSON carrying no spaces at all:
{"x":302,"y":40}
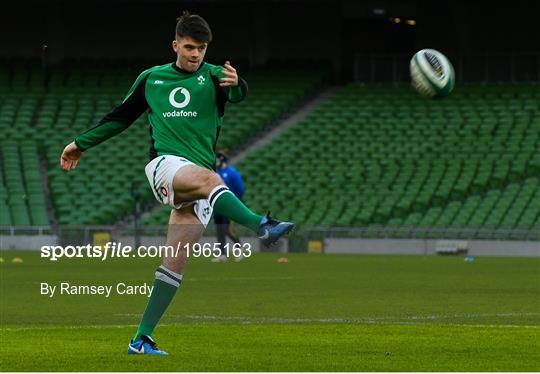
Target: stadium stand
{"x":39,"y":122}
{"x":373,"y":155}
{"x":378,"y":154}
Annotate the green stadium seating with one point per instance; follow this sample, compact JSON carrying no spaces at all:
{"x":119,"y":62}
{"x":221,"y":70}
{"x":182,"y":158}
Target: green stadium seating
{"x":372,"y":155}
{"x":39,"y":123}
{"x":380,"y":155}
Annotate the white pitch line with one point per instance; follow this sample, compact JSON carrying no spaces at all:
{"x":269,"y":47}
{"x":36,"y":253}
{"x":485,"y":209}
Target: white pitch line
{"x":366,"y":320}
{"x":40,"y":328}
{"x":340,"y":320}
{"x":386,"y":320}
{"x":56,"y":327}
{"x":187,"y":279}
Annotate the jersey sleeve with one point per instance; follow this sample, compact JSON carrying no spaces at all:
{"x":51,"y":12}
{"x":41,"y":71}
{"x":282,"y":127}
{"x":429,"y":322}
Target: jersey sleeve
{"x":119,"y":119}
{"x":238,"y":93}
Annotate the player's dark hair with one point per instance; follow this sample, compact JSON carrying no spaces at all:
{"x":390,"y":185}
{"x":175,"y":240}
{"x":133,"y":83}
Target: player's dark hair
{"x":194,"y":26}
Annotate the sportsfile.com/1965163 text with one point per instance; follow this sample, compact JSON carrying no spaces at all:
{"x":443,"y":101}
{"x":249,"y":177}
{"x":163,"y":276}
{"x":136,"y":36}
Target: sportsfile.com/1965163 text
{"x":117,"y":250}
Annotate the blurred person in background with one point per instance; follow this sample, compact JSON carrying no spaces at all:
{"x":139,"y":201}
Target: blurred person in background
{"x":224,"y":226}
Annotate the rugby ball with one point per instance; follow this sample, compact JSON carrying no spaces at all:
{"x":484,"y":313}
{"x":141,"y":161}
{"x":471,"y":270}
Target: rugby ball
{"x":432,"y":74}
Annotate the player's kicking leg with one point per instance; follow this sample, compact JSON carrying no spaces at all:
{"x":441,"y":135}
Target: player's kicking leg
{"x":176,"y":181}
{"x":192,"y":182}
{"x":185,"y":229}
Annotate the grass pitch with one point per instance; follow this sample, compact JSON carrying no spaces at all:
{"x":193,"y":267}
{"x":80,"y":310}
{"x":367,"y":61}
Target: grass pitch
{"x":314,"y":313}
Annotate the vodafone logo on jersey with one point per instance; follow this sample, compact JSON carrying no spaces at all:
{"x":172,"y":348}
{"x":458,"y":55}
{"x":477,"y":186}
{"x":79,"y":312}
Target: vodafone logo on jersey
{"x":175,"y":103}
{"x":180,"y":104}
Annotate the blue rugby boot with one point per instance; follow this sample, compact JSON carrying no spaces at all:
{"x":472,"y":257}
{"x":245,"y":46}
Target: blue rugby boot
{"x":144,"y":346}
{"x":270,"y":230}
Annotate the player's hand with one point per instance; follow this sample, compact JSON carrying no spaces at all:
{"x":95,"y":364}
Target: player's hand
{"x":231,"y":77}
{"x":70,"y":157}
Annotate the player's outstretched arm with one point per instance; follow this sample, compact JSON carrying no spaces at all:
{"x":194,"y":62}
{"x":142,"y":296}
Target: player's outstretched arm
{"x":70,"y":156}
{"x":112,"y":124}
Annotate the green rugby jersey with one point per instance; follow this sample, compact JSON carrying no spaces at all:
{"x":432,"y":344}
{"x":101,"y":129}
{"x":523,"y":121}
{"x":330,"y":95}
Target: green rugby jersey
{"x":185,"y":111}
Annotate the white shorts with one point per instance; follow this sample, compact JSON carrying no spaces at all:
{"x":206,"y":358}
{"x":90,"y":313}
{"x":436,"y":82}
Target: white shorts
{"x":160,"y":173}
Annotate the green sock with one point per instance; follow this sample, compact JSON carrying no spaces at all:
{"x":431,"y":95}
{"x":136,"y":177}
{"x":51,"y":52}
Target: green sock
{"x":165,"y":286}
{"x":228,"y":205}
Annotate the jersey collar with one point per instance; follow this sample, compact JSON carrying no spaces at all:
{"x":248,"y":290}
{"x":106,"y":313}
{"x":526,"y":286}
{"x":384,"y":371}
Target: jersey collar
{"x":184,"y":71}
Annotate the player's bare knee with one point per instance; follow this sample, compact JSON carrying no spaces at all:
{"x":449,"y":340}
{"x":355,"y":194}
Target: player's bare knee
{"x":211,"y":181}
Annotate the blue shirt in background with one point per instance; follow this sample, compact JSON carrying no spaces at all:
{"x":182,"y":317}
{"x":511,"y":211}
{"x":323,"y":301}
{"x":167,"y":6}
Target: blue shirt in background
{"x":233,"y":180}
